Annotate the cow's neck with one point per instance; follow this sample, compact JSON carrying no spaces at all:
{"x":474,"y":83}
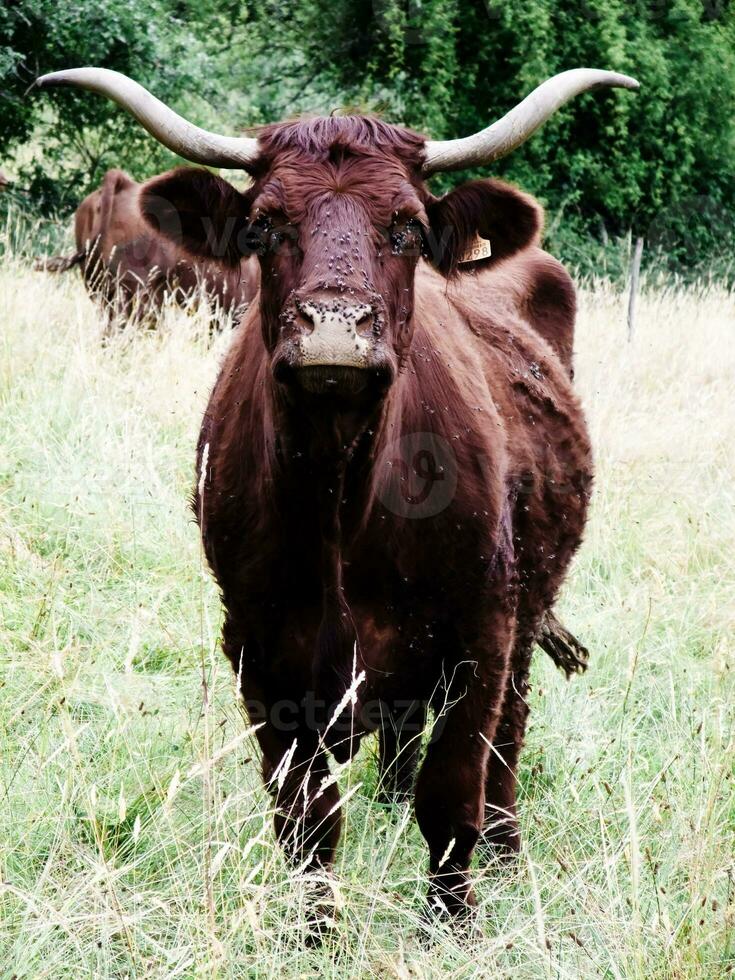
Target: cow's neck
{"x":328,"y":448}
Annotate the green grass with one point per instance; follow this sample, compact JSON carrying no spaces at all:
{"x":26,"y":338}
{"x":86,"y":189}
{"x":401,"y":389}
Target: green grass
{"x":135,"y":837}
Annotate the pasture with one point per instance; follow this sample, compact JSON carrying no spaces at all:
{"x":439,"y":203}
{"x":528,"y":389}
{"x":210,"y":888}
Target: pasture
{"x":135,"y":836}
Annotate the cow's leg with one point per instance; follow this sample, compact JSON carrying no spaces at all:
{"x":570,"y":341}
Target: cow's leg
{"x":400,"y":743}
{"x":501,"y":823}
{"x":306,"y":816}
{"x":306,"y":813}
{"x":450,"y":793}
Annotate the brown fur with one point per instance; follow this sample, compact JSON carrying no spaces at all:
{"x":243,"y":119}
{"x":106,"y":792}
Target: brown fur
{"x":128,"y":268}
{"x":537,"y":286}
{"x":299,"y":494}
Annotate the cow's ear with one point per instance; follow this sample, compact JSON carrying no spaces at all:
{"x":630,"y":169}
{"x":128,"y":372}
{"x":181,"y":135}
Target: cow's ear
{"x":199,"y":211}
{"x":489,"y":209}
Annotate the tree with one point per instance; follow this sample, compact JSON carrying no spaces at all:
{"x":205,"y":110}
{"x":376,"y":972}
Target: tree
{"x":656,"y":164}
{"x":81,"y":136}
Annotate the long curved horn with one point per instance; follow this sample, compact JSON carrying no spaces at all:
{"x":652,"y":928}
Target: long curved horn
{"x":165,"y":125}
{"x":515,"y":127}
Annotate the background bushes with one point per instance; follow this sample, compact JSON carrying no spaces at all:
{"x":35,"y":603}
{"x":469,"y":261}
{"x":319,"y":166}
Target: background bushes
{"x":611,"y":167}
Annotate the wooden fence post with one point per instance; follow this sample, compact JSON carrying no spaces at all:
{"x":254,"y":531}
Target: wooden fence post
{"x":635,"y":273}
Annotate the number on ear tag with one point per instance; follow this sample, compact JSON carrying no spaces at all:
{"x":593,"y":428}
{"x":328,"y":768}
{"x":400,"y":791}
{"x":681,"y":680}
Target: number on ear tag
{"x":479,"y":249}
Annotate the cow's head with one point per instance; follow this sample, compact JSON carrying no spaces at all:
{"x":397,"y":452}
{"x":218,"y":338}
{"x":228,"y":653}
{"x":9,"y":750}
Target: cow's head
{"x":339,"y":215}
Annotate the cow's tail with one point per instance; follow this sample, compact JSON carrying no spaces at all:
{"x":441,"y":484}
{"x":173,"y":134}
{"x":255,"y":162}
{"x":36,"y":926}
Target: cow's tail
{"x":58,"y":263}
{"x":564,"y":649}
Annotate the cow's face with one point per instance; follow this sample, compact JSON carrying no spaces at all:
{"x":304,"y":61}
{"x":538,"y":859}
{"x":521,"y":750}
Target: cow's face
{"x":339,"y":217}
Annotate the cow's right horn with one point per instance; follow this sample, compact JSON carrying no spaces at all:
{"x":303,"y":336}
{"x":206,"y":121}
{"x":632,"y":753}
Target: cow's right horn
{"x":516,"y":126}
{"x":169,"y":128}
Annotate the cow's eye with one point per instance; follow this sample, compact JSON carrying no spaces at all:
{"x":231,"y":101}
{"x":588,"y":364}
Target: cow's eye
{"x":257,"y":239}
{"x":282,"y":236}
{"x":269,"y":234}
{"x":406,"y":236}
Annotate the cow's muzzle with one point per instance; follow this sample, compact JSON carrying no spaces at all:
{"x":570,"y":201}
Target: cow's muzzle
{"x":332,"y":346}
{"x":334,"y":333}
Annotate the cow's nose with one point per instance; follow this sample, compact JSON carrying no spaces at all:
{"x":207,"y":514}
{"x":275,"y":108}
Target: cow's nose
{"x":334,"y":333}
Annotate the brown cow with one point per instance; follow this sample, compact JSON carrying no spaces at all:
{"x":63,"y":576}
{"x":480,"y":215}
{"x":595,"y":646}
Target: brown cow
{"x":129,"y":269}
{"x":394,"y":470}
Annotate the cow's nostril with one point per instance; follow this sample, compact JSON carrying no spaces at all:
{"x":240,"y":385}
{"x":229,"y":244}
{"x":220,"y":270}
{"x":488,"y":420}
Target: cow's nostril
{"x":305,"y":317}
{"x":364,"y":325}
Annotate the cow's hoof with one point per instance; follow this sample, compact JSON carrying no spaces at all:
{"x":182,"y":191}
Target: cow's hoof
{"x":394,"y":797}
{"x":450,"y":900}
{"x":322,"y":916}
{"x":318,"y":929}
{"x":501,"y":840}
{"x":446,"y":913}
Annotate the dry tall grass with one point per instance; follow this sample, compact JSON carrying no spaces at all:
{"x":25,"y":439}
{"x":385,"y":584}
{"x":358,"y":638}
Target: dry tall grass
{"x":135,"y":838}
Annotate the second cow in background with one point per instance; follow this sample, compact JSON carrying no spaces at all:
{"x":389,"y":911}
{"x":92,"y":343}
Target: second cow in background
{"x":128,"y":268}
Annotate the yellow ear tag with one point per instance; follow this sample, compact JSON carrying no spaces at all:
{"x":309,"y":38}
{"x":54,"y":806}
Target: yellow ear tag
{"x":479,"y":249}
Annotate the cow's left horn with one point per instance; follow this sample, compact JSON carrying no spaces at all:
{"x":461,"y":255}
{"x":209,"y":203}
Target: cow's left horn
{"x":169,"y":128}
{"x":515,"y":127}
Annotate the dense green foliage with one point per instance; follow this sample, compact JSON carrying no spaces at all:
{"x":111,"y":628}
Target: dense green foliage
{"x":658,"y":164}
{"x":75,"y":138}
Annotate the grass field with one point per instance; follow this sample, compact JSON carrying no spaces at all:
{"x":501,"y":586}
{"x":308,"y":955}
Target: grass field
{"x":135,"y":837}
